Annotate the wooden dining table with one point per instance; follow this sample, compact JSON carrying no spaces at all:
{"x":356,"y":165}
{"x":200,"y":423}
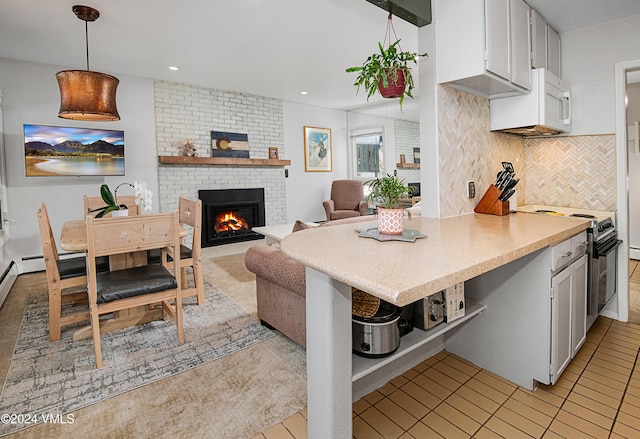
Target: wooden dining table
{"x":73,"y":238}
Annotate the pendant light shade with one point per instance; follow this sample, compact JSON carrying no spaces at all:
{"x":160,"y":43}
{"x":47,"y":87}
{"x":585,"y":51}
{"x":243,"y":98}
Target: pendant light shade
{"x":87,"y":95}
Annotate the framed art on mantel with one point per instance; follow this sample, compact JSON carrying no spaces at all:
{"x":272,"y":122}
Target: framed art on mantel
{"x":317,"y":149}
{"x":225,"y":144}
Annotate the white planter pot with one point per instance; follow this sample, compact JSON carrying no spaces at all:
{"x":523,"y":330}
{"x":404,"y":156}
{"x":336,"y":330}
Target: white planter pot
{"x":121,"y":212}
{"x":390,"y":221}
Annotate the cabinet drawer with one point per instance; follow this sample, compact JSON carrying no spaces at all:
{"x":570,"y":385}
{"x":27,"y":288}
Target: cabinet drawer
{"x":561,"y":254}
{"x":579,"y":244}
{"x":568,"y":250}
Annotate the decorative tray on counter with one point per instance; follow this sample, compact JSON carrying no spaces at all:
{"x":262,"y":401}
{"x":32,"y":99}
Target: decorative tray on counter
{"x":407,"y":235}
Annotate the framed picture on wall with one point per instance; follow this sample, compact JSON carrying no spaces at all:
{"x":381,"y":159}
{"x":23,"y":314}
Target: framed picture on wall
{"x":317,"y":149}
{"x":224,"y":144}
{"x":273,"y":153}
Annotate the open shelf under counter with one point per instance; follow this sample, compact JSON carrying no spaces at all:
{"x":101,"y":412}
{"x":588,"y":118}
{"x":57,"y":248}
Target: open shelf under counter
{"x":227,"y":161}
{"x":362,"y":366}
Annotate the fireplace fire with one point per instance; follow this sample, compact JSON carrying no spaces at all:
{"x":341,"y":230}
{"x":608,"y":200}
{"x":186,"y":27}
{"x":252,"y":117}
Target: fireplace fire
{"x":228,"y":215}
{"x":229,"y":222}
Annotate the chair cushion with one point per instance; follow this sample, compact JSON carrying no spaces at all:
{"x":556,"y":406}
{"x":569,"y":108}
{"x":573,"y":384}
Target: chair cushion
{"x":341,"y":214}
{"x":154,"y":256}
{"x":74,"y":267}
{"x":130,"y":282}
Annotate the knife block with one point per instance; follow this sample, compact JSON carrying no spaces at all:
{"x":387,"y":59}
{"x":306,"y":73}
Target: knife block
{"x":489,"y":203}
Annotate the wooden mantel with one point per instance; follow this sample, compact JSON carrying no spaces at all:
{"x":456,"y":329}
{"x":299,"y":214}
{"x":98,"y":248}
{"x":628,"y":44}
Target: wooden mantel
{"x":184,"y":160}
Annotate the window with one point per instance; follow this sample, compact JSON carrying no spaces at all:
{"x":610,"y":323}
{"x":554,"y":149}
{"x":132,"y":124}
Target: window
{"x":368,"y":153}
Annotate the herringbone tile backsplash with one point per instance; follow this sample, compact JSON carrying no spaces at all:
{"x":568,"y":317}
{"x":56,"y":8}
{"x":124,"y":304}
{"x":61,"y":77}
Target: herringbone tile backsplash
{"x":468,"y":151}
{"x":576,"y":171}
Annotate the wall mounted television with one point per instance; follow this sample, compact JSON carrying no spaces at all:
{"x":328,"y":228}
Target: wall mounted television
{"x":68,"y":151}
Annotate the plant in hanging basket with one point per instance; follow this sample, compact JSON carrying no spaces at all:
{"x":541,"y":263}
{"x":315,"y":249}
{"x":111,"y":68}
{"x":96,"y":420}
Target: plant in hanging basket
{"x":387,"y":69}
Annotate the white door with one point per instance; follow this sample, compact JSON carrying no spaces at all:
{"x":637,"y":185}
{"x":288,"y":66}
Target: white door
{"x":497,"y":42}
{"x":8,"y":269}
{"x":560,"y":323}
{"x":578,"y":304}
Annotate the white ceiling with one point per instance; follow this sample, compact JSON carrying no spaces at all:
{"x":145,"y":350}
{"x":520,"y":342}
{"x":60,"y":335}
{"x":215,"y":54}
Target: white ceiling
{"x":275,"y":48}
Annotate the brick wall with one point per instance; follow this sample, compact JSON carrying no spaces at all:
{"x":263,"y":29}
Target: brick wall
{"x":187,"y":111}
{"x":407,"y":138}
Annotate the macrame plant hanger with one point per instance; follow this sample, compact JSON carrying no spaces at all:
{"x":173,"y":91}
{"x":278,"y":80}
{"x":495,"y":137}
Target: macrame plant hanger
{"x":387,"y":34}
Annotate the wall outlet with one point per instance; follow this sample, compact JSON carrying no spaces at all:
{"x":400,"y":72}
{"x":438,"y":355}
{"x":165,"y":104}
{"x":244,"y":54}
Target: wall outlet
{"x":471,"y":189}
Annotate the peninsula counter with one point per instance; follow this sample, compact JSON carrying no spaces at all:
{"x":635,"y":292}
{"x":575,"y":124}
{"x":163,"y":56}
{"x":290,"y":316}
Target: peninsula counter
{"x":455,"y":250}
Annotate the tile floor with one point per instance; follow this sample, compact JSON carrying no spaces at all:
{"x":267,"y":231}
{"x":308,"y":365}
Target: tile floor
{"x":598,"y":396}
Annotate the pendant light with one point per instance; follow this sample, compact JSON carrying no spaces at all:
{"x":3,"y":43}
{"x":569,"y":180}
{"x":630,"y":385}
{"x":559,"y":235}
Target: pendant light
{"x":87,"y":95}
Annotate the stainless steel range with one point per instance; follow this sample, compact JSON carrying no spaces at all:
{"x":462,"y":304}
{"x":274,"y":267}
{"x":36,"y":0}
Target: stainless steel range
{"x":603,"y":244}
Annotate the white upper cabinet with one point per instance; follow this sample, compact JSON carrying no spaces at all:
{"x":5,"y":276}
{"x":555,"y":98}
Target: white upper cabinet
{"x":520,"y":44}
{"x":483,"y":46}
{"x":538,"y":41}
{"x":498,"y":56}
{"x":553,"y":52}
{"x":545,"y":45}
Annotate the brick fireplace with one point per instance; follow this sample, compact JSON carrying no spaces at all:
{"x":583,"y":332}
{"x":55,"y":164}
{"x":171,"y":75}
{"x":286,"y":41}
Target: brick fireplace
{"x":187,"y":111}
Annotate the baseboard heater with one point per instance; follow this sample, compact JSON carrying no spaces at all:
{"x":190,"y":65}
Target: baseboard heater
{"x":7,"y":279}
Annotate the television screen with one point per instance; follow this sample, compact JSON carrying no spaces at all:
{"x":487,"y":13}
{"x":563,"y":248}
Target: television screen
{"x":68,"y":151}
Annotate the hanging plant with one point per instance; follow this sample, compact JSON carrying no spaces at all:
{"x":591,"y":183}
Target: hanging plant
{"x":387,"y":71}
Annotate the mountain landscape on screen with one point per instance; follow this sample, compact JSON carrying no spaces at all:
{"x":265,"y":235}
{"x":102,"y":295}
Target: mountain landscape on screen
{"x":70,"y":151}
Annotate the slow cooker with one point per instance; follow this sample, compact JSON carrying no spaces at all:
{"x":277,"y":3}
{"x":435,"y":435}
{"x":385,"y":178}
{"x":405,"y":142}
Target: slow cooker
{"x":378,"y":335}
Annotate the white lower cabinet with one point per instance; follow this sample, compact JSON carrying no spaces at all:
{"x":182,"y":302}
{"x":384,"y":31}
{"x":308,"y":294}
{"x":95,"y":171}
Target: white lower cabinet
{"x":568,"y":315}
{"x":535,"y":320}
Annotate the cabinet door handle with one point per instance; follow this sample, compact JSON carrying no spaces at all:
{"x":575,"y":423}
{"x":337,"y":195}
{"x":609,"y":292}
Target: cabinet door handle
{"x":565,"y":98}
{"x":567,"y":254}
{"x":636,"y":139}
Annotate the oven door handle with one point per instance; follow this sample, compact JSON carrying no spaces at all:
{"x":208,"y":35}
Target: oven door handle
{"x":607,"y":247}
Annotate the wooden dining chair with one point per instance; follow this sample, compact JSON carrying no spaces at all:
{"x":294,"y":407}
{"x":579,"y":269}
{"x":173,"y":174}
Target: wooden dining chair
{"x":92,"y":203}
{"x":143,"y":285}
{"x":61,"y":275}
{"x":190,"y":213}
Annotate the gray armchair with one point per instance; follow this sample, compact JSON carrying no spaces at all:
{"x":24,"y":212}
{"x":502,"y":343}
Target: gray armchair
{"x":347,"y":200}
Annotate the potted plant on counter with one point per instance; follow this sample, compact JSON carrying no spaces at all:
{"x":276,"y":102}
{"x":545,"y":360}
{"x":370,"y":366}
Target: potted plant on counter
{"x":386,"y":193}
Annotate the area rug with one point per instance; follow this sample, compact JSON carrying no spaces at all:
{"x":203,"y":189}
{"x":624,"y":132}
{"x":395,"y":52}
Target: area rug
{"x":60,"y":377}
{"x":231,"y":276}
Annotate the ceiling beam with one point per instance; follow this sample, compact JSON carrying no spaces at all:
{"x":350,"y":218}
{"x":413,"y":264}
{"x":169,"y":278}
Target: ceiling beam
{"x":416,"y":12}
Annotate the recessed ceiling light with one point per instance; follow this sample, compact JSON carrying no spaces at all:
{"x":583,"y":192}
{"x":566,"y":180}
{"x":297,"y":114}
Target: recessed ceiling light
{"x":303,"y":93}
{"x":174,"y":68}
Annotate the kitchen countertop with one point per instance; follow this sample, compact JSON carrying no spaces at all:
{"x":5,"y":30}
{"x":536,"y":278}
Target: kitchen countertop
{"x":456,"y":249}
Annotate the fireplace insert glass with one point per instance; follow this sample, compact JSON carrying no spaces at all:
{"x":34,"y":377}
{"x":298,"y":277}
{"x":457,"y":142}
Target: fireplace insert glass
{"x":229,"y":215}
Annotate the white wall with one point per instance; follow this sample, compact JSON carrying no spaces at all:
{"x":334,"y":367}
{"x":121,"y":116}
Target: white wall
{"x":588,"y":58}
{"x":307,"y":190}
{"x":31,"y":96}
